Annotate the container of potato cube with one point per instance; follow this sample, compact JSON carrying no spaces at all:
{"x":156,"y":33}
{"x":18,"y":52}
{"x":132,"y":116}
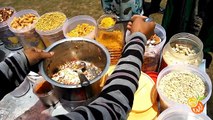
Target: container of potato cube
{"x":49,"y":27}
{"x":22,"y":24}
{"x":7,"y":37}
{"x":80,"y":26}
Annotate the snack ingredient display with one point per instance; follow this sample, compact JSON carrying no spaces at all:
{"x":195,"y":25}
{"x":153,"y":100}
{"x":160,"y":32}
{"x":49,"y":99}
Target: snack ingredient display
{"x":81,"y":30}
{"x":68,"y":72}
{"x":184,"y":50}
{"x":21,"y":22}
{"x":5,"y":14}
{"x":50,"y":21}
{"x":153,"y":41}
{"x":107,"y":22}
{"x":180,"y":86}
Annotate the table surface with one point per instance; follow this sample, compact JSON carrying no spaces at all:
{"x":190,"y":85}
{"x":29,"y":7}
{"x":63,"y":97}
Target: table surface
{"x":29,"y":107}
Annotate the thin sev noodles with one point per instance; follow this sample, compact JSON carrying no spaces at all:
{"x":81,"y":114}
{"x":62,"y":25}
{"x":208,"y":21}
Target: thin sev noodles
{"x":180,"y":86}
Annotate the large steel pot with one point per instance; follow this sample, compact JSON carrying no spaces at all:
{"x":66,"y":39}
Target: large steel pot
{"x":76,"y":49}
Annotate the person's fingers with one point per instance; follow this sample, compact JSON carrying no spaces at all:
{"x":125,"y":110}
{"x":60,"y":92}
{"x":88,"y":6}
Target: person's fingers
{"x":34,"y":49}
{"x":46,"y":54}
{"x":38,"y":50}
{"x":129,"y":23}
{"x":134,"y":16}
{"x":129,"y":27}
{"x":138,"y":16}
{"x":52,"y":53}
{"x":152,"y":24}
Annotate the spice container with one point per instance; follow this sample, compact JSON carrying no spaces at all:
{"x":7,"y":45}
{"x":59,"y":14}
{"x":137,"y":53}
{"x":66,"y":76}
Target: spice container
{"x":183,"y":48}
{"x":45,"y":92}
{"x":49,"y":27}
{"x":7,"y":37}
{"x":22,"y":24}
{"x":176,"y":84}
{"x":80,"y":26}
{"x":111,"y":35}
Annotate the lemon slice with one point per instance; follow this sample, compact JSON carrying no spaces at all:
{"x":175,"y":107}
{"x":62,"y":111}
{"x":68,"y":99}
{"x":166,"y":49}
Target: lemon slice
{"x":192,"y":102}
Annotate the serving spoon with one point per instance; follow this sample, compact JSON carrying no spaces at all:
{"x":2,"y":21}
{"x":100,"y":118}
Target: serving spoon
{"x":124,"y":21}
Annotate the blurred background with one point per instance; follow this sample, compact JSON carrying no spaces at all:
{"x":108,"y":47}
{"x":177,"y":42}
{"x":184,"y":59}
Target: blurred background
{"x":86,"y":7}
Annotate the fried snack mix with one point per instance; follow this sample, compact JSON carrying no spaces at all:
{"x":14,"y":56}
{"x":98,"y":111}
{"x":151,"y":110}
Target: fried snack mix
{"x":81,"y":30}
{"x":23,"y":21}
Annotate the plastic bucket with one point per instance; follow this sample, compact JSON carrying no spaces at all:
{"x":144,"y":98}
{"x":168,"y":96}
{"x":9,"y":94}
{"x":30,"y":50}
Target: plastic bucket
{"x":152,"y":55}
{"x":53,"y":35}
{"x":27,"y":35}
{"x":165,"y":101}
{"x":7,"y":37}
{"x":183,"y":48}
{"x":72,"y":23}
{"x":181,"y":112}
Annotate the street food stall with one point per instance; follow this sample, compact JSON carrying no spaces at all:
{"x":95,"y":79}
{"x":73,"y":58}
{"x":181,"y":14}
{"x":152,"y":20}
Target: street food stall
{"x":86,"y":52}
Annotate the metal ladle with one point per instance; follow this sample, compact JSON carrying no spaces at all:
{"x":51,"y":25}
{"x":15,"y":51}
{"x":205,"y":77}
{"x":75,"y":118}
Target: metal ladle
{"x":83,"y":79}
{"x":123,"y":21}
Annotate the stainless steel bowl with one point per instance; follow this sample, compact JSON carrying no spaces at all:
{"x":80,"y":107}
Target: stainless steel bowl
{"x":76,"y":49}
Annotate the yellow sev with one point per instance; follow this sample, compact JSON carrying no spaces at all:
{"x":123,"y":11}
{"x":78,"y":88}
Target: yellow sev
{"x":107,"y":22}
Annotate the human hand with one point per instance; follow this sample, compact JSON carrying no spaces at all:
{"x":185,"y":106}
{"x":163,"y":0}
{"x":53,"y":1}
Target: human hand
{"x":34,"y":55}
{"x":138,"y":24}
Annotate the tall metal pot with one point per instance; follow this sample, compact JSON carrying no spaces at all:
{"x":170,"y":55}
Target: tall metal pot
{"x":76,"y":49}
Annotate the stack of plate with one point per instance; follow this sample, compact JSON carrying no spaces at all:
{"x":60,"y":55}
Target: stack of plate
{"x":145,"y":105}
{"x":115,"y":56}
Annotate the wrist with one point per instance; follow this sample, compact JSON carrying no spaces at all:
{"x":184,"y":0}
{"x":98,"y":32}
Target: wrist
{"x":137,"y":34}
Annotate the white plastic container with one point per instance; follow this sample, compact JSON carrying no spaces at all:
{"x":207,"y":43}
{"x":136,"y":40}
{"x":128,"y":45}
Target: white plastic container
{"x":72,"y":23}
{"x":27,"y":35}
{"x":170,"y":56}
{"x":112,"y":37}
{"x":152,"y":55}
{"x":7,"y":37}
{"x":51,"y":36}
{"x":164,"y":101}
{"x":181,"y":112}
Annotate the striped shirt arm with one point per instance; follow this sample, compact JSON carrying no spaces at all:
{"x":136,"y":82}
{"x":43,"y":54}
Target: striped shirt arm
{"x":13,"y":71}
{"x":116,"y":98}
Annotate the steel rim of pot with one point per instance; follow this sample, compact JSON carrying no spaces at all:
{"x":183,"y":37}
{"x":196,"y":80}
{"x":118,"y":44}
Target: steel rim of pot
{"x":55,"y":83}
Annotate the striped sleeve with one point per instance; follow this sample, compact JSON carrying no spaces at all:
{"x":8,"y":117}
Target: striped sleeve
{"x":116,"y":98}
{"x":13,"y":71}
